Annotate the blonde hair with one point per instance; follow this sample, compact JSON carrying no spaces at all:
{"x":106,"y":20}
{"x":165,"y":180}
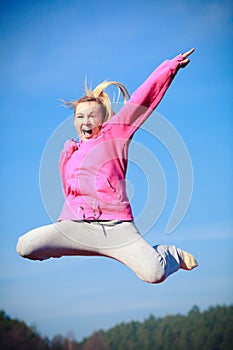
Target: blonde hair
{"x":100,"y":96}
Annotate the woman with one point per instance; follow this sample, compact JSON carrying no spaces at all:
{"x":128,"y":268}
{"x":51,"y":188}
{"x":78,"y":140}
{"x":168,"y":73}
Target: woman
{"x":96,"y":218}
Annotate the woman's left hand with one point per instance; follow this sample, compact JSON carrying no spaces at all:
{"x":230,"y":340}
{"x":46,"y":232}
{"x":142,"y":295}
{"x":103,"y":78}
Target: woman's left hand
{"x":185,"y":59}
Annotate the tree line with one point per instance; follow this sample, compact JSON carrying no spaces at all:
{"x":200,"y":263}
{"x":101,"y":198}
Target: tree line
{"x":211,"y":329}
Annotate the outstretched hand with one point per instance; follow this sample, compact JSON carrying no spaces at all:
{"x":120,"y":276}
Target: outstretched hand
{"x":185,"y":59}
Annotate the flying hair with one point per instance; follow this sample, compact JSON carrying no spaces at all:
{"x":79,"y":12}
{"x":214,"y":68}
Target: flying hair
{"x":100,"y":96}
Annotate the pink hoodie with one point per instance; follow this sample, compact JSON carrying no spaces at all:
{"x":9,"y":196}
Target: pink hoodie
{"x":93,"y":171}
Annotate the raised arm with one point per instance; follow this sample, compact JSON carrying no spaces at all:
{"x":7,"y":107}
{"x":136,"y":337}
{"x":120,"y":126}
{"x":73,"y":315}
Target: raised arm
{"x":146,"y":98}
{"x":150,"y":93}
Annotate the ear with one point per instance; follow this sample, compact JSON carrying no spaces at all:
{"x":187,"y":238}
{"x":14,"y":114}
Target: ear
{"x":74,"y":110}
{"x":74,"y":119}
{"x":104,"y":113}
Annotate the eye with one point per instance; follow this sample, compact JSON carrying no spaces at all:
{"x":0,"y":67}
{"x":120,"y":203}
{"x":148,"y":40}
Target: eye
{"x":79,"y":116}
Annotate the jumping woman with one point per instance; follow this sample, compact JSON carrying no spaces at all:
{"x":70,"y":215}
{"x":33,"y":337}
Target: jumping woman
{"x":96,"y":219}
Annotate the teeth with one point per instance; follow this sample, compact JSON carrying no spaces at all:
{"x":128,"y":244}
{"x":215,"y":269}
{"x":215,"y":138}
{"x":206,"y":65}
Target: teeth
{"x":88,"y":131}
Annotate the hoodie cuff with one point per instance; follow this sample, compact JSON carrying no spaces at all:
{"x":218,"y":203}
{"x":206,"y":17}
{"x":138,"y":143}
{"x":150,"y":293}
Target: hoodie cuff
{"x":175,"y":62}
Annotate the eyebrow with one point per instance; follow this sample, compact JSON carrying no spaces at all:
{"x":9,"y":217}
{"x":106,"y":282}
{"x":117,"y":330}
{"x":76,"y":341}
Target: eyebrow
{"x":82,"y":114}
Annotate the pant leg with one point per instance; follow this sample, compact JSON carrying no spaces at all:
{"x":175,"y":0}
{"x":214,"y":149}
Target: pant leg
{"x":59,"y":239}
{"x":151,"y":264}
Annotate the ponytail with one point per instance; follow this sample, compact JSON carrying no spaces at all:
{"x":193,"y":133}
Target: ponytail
{"x":100,"y":96}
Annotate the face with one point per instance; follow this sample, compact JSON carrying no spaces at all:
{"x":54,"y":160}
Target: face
{"x":88,"y":119}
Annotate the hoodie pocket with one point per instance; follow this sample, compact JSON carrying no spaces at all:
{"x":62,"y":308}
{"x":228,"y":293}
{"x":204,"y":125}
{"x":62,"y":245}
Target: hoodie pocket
{"x":106,"y":191}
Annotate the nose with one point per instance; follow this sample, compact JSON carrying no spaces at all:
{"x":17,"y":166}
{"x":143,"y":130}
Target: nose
{"x":86,"y":120}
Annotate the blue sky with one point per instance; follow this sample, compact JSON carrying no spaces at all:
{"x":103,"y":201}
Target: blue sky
{"x":47,"y":49}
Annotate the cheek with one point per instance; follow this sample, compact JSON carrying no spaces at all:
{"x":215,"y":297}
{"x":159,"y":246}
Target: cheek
{"x":76,"y":124}
{"x":99,"y":120}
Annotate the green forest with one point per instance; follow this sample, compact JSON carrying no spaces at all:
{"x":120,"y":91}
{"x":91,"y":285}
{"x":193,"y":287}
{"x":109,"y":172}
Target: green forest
{"x":211,"y":329}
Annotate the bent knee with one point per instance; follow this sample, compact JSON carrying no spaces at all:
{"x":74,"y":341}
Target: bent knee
{"x":153,"y":275}
{"x":23,"y":248}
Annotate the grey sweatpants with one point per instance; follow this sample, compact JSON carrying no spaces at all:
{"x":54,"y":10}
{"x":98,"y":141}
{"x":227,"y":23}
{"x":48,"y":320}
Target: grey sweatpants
{"x":119,"y":240}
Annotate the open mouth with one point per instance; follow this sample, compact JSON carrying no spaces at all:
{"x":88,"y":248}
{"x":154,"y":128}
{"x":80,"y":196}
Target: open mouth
{"x":87,"y":131}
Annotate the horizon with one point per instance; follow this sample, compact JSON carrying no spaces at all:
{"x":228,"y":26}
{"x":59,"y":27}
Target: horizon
{"x":71,"y":334}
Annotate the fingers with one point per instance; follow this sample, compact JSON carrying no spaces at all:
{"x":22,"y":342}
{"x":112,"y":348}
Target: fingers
{"x":185,"y":61}
{"x":186,"y":54}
